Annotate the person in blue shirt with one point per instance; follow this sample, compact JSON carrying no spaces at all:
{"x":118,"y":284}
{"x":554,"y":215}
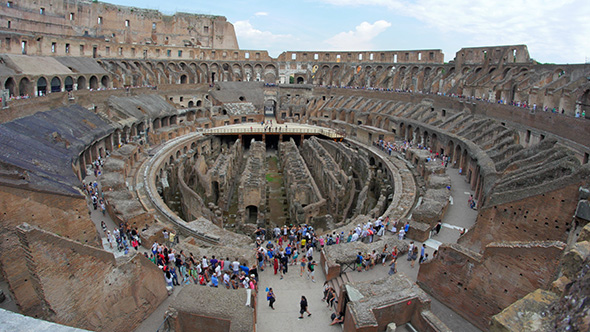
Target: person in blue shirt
{"x":422,"y":250}
{"x":214,"y":281}
{"x":245,"y":269}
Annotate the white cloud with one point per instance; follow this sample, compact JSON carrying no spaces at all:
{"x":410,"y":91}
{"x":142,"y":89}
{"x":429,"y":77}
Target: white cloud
{"x":244,"y":29}
{"x":261,"y":14}
{"x":551,"y":29}
{"x":359,"y":39}
{"x":258,"y":39}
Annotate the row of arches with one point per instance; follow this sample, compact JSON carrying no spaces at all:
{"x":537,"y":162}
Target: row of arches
{"x":136,"y":73}
{"x":44,"y":85}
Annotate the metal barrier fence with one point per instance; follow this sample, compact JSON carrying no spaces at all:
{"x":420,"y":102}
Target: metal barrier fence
{"x":273,"y":130}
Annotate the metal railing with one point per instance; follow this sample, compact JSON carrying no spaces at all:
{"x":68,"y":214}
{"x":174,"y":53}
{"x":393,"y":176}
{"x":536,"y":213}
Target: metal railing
{"x":257,"y":129}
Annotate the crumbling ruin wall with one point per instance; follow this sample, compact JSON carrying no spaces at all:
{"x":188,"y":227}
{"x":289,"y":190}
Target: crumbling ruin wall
{"x":336,"y":185}
{"x":542,"y":217}
{"x":252,"y":189}
{"x":355,"y":162}
{"x":64,"y":215}
{"x":480,"y":286}
{"x":86,"y":287}
{"x":222,"y":174}
{"x":302,"y":191}
{"x":193,"y":205}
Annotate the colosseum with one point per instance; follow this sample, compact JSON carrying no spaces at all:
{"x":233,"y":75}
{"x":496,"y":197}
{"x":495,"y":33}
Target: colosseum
{"x":125,"y":120}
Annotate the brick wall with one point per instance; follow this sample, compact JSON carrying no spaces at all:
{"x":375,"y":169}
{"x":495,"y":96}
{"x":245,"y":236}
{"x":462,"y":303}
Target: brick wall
{"x":463,"y":279}
{"x":86,"y":287}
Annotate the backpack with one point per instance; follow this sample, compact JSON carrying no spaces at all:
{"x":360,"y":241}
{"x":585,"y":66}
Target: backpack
{"x":288,"y":250}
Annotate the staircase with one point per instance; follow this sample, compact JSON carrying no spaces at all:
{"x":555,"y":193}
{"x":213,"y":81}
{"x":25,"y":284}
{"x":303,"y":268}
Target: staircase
{"x":339,"y":281}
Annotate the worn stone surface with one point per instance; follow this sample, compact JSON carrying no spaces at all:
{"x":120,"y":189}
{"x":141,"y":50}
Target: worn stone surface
{"x":252,"y":186}
{"x":63,"y":215}
{"x":572,"y":310}
{"x":574,"y":259}
{"x":86,"y":287}
{"x":379,"y":302}
{"x":11,"y":321}
{"x":214,"y":309}
{"x":531,"y":313}
{"x":462,"y":279}
{"x":301,"y":188}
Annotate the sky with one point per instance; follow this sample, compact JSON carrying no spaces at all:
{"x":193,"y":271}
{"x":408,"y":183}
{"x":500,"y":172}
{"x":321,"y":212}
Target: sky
{"x":555,"y":31}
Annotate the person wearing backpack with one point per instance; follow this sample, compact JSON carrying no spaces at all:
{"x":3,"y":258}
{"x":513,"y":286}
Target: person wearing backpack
{"x":359,"y":261}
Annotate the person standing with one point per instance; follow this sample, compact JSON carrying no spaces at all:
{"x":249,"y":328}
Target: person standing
{"x":270,"y":296}
{"x":422,"y":252}
{"x":303,"y":263}
{"x":303,"y":307}
{"x":414,"y":256}
{"x":392,"y":267}
{"x":311,"y":270}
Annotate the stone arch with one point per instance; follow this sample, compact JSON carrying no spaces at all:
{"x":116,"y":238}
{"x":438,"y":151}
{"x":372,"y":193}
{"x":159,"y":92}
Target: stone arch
{"x":55,"y":84}
{"x":69,"y":83}
{"x":24,"y":87}
{"x":214,"y":73}
{"x":183,"y":79}
{"x":93,"y":82}
{"x":237,"y":72}
{"x":104,"y":81}
{"x":190,"y":116}
{"x":197,"y":72}
{"x":41,"y":86}
{"x":248,"y":73}
{"x":251,"y":214}
{"x":409,"y":133}
{"x":457,"y":156}
{"x":417,"y":135}
{"x":258,"y":72}
{"x":10,"y":85}
{"x":157,"y":123}
{"x":402,"y":130}
{"x":377,"y":122}
{"x":191,"y":103}
{"x":270,"y":74}
{"x":81,"y":83}
{"x":451,"y":150}
{"x":351,"y":117}
{"x":386,"y":124}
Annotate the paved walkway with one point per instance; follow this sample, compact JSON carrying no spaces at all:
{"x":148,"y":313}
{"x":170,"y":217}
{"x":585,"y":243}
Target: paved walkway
{"x":288,"y":293}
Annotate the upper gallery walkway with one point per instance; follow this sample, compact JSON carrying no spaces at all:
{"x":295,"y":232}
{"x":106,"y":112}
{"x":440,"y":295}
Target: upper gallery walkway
{"x":266,"y":128}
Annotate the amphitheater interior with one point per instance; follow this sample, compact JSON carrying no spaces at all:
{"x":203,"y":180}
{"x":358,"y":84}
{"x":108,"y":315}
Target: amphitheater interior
{"x":211,"y":141}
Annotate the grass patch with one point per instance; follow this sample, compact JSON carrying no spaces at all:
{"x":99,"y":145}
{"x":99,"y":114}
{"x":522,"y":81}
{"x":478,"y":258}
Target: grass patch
{"x":272,"y":177}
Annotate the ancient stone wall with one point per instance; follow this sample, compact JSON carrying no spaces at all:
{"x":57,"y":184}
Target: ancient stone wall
{"x":302,"y":191}
{"x":252,"y":186}
{"x":64,"y":215}
{"x":86,"y":287}
{"x":222,"y":174}
{"x":193,"y":205}
{"x":336,"y":185}
{"x":479,"y":286}
{"x":542,"y":217}
{"x":119,"y":24}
